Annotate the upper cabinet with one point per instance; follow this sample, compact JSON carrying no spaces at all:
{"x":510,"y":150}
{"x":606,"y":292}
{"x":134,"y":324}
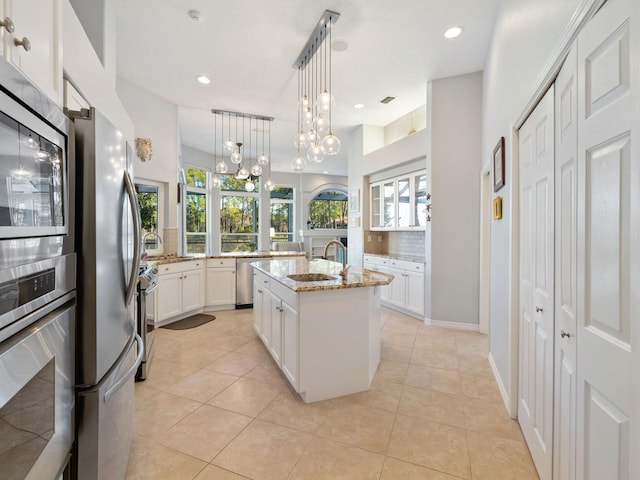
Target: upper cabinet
{"x":399,"y":203}
{"x":32,"y":41}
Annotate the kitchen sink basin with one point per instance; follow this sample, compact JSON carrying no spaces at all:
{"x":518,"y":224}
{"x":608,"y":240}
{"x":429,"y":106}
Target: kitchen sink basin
{"x":311,"y":277}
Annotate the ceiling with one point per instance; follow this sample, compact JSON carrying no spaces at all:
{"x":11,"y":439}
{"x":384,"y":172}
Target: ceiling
{"x":248,"y":47}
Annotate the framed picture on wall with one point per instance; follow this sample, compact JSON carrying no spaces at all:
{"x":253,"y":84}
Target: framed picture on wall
{"x":354,"y":201}
{"x":498,"y":165}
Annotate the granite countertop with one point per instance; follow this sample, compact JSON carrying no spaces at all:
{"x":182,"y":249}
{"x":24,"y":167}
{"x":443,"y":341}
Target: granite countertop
{"x":397,"y":256}
{"x":355,"y":278}
{"x":174,"y":258}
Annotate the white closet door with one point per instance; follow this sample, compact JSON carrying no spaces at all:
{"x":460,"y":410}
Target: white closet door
{"x":566,"y":197}
{"x":535,"y":389}
{"x":608,"y":251}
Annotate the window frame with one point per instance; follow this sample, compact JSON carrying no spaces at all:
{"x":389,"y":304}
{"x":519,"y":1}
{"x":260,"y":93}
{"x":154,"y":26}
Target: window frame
{"x":160,"y":189}
{"x":292,"y":202}
{"x":239,"y":193}
{"x":206,"y":191}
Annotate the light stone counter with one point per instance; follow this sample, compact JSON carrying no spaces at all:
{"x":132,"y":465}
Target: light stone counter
{"x":174,"y":258}
{"x":355,"y":278}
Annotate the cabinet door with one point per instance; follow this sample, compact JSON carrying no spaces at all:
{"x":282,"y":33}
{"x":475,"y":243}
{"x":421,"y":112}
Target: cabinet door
{"x":192,"y":290}
{"x":397,"y":288}
{"x":276,"y":330}
{"x":420,"y":200}
{"x":266,"y":318}
{"x":258,"y":298}
{"x":290,"y":345}
{"x":404,"y":202}
{"x":389,"y":204}
{"x":40,"y":22}
{"x":415,"y":292}
{"x":169,"y":296}
{"x":221,"y":286}
{"x":385,"y":290}
{"x":375,"y":197}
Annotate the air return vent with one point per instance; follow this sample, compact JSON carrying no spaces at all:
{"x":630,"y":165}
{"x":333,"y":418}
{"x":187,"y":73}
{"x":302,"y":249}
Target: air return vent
{"x":386,"y":100}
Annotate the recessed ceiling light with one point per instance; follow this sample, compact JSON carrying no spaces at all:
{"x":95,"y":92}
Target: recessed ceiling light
{"x":453,"y":32}
{"x":339,"y":46}
{"x":203,"y":79}
{"x":359,"y":105}
{"x":325,"y":172}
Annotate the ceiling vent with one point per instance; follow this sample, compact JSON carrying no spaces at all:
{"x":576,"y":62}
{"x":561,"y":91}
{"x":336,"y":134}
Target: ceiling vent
{"x":386,"y":100}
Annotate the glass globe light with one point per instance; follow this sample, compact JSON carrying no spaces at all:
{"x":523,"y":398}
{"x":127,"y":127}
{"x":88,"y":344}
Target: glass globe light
{"x":215,"y":180}
{"x":236,"y":157}
{"x":229,"y":146}
{"x":321,"y":124}
{"x":31,"y":142}
{"x":221,"y":167}
{"x":42,"y":155}
{"x":298,"y":163}
{"x":256,"y":170}
{"x":307,"y":117}
{"x":301,"y":140}
{"x":325,"y":102}
{"x":312,"y":137}
{"x":269,"y":185}
{"x":304,"y":103}
{"x":263,"y":159}
{"x":249,"y":186}
{"x":330,"y":144}
{"x":314,"y":154}
{"x":242,"y":173}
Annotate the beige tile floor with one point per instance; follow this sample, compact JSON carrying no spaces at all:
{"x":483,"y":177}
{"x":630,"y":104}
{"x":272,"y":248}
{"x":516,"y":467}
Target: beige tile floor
{"x":215,"y":408}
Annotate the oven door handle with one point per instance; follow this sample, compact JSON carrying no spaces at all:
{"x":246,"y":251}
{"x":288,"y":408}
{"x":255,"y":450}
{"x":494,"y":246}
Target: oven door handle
{"x":137,"y":243}
{"x":124,"y":378}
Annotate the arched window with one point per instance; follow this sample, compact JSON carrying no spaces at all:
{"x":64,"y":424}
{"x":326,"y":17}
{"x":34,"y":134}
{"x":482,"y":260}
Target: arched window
{"x":329,"y":209}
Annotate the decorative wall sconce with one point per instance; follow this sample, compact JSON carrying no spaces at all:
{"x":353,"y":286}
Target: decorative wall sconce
{"x":143,"y":149}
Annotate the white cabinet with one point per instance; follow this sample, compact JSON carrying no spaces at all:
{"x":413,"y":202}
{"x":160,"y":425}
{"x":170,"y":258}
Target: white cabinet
{"x":180,"y":289}
{"x":399,"y":203}
{"x":407,"y":290}
{"x":32,"y":42}
{"x":221,"y":281}
{"x":290,"y":344}
{"x":275,"y":345}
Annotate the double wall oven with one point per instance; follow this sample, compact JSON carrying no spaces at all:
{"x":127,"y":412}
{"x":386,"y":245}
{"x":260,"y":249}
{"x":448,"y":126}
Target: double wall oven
{"x":37,"y":284}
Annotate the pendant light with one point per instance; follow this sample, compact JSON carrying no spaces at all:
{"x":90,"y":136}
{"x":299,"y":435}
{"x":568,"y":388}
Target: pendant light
{"x":314,"y":127}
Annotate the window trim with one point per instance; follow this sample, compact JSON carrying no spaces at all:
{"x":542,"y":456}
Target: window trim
{"x":160,"y":224}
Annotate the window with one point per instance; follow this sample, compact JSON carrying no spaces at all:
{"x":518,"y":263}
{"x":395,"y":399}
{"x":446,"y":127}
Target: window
{"x":238,"y":216}
{"x":282,"y":214}
{"x":150,"y":215}
{"x":328,"y":210}
{"x":195,"y":210}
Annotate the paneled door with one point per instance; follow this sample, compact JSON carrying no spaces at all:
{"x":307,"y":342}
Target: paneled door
{"x":566,"y":198}
{"x":608,"y":375}
{"x":535,"y":386}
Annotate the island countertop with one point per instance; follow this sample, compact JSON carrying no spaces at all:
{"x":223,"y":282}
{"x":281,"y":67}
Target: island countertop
{"x":175,"y":258}
{"x":355,"y":278}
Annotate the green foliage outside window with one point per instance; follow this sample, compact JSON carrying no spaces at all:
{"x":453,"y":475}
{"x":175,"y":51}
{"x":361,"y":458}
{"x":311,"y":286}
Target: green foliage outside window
{"x":329,"y":210}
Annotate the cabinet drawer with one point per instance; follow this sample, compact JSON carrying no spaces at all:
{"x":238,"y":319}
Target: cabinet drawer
{"x":221,"y":262}
{"x":177,"y":267}
{"x":406,"y":265}
{"x":261,"y":280}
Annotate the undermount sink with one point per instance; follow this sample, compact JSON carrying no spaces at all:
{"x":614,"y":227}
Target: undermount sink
{"x":311,"y":277}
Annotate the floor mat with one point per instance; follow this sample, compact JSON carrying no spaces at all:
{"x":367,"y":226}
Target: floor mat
{"x":190,"y":322}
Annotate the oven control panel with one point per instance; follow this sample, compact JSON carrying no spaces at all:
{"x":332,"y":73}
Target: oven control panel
{"x":26,"y":289}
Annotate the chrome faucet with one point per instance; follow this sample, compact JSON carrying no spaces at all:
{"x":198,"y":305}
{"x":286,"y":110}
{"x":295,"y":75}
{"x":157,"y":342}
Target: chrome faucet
{"x":338,"y":244}
{"x":144,"y":239}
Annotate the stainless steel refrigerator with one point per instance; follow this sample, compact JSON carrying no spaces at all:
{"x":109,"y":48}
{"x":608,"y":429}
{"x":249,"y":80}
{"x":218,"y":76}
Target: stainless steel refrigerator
{"x":109,"y":349}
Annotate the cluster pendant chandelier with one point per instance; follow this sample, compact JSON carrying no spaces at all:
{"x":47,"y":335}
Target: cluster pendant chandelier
{"x":248,"y":148}
{"x":315,"y":138}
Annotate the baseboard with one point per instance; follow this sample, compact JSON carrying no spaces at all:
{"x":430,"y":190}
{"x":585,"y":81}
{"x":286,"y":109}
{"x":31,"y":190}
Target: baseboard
{"x":402,"y":310}
{"x":503,"y":391}
{"x":453,"y":325}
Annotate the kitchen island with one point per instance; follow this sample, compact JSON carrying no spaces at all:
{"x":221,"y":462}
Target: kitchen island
{"x":321,"y":329}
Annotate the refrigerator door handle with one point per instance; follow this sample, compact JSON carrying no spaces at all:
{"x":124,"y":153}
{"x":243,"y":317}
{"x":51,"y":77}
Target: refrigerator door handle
{"x":135,"y":213}
{"x":124,"y":378}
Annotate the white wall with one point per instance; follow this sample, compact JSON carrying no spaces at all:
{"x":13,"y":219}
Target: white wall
{"x":157,"y":119}
{"x":525,"y":35}
{"x":454,"y":160}
{"x":83,"y":67}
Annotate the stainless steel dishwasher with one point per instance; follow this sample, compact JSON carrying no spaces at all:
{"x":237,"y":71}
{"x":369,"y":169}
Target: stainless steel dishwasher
{"x":244,"y":282}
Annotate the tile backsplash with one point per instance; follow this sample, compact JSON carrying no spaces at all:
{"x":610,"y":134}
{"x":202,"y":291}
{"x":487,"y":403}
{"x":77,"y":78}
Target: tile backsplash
{"x":406,"y":243}
{"x":395,"y":243}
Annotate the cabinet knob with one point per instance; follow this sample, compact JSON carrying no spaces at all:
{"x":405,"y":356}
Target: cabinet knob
{"x":539,"y":309}
{"x":166,"y":269}
{"x":564,"y":334}
{"x":7,"y":24}
{"x":24,"y":43}
{"x":259,"y":291}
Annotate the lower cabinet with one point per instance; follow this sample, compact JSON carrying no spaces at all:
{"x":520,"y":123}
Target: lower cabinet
{"x":407,"y":290}
{"x":221,"y":281}
{"x":277,"y":323}
{"x":180,"y":289}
